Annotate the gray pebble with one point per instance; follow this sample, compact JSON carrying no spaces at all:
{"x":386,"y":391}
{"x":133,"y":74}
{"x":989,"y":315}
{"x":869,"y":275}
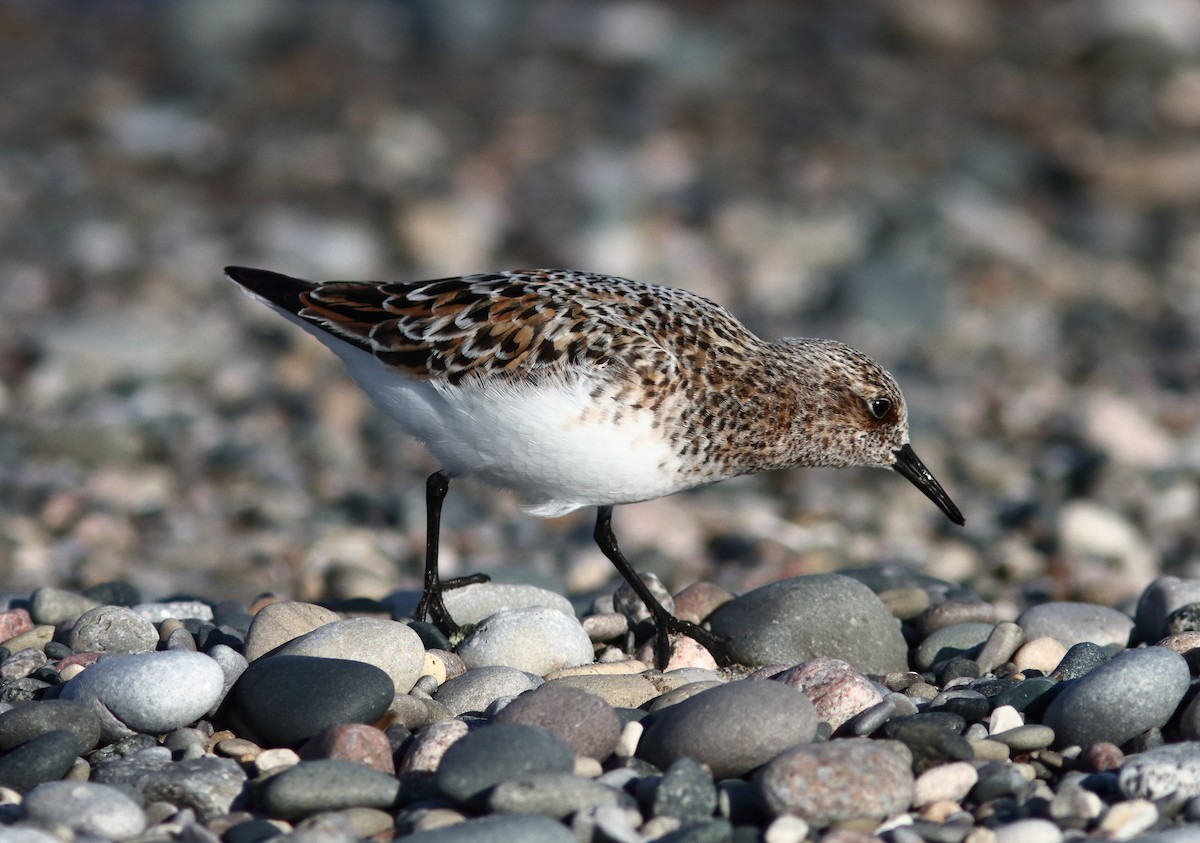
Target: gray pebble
{"x":26,"y":722}
{"x":112,"y":629}
{"x":1083,"y":658}
{"x":473,"y":604}
{"x":85,"y":808}
{"x":816,"y":615}
{"x":327,"y":785}
{"x":278,"y":623}
{"x":686,"y":792}
{"x":732,"y":728}
{"x":1165,"y":772}
{"x":537,"y":640}
{"x":1135,"y":691}
{"x":1158,"y":600}
{"x":1003,"y":641}
{"x":1028,"y":831}
{"x":627,"y":602}
{"x":620,"y":690}
{"x":55,"y":605}
{"x":233,"y":664}
{"x":476,"y":689}
{"x":579,"y":718}
{"x":1026,"y":738}
{"x":391,"y":646}
{"x":954,"y":612}
{"x":498,"y":753}
{"x":1071,"y":623}
{"x":148,"y":692}
{"x":555,"y":795}
{"x":851,"y":778}
{"x":510,"y":828}
{"x":210,"y":786}
{"x":964,"y":639}
{"x":181,"y":609}
{"x":46,"y":758}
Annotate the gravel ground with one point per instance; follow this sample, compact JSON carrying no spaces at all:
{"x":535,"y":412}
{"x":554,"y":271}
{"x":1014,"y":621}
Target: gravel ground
{"x":996,"y":200}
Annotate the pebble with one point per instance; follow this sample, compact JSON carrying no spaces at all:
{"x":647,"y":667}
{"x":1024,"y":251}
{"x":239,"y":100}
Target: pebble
{"x":905,"y":604}
{"x":52,"y":606}
{"x":555,"y":795}
{"x":1026,"y":738}
{"x":605,"y":627}
{"x":22,"y":663}
{"x":148,"y":692}
{"x":964,"y":639}
{"x":685,"y":791}
{"x":510,"y":828}
{"x":355,"y":742}
{"x":697,"y":601}
{"x":45,"y":758}
{"x":424,"y":754}
{"x":1000,"y":646}
{"x":1028,"y":831}
{"x":1126,"y":820}
{"x":326,"y":785}
{"x":474,"y":604}
{"x":1165,"y":772}
{"x":816,"y":615}
{"x":944,"y":783}
{"x":159,"y":612}
{"x":1081,"y":659}
{"x":112,"y":629}
{"x":1158,"y":600}
{"x":627,"y":602}
{"x":212,"y":787}
{"x":1073,"y":623}
{"x":477,"y":689}
{"x":86,"y":808}
{"x":25,"y":722}
{"x":732,"y":728}
{"x":388,"y":645}
{"x":580,"y":719}
{"x":954,"y":612}
{"x":14,"y":622}
{"x":848,"y":779}
{"x":536,"y":640}
{"x":1136,"y":690}
{"x":498,"y":753}
{"x":275,"y":624}
{"x":288,"y":699}
{"x":1043,"y":654}
{"x":836,"y":690}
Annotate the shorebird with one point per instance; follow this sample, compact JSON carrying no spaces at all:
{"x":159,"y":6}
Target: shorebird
{"x":574,"y":390}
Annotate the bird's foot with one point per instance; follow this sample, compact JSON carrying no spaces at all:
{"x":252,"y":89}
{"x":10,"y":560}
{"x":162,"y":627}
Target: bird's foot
{"x":433,"y":608}
{"x":717,"y":646}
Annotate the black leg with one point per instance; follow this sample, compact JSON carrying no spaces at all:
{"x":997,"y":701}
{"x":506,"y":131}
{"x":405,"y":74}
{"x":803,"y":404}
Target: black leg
{"x":664,"y":621}
{"x":431,"y":604}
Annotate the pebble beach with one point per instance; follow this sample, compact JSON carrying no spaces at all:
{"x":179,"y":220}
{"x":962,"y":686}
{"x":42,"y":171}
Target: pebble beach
{"x":210,"y":542}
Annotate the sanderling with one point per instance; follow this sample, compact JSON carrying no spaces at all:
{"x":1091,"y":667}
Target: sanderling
{"x":574,"y":389}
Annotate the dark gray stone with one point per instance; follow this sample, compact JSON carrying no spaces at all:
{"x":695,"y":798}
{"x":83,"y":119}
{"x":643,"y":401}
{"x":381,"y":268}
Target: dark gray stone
{"x":476,"y":689}
{"x":209,"y":786}
{"x":796,"y":619}
{"x":555,"y":795}
{"x":46,"y":758}
{"x":511,"y":828}
{"x":686,"y":791}
{"x":25,"y":722}
{"x":498,"y":753}
{"x":963,"y":639}
{"x":1158,"y":600}
{"x":1079,"y":660}
{"x":327,"y":785}
{"x":1071,"y":623}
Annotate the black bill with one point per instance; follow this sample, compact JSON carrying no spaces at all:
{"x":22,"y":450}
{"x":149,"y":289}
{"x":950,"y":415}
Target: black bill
{"x":909,"y":465}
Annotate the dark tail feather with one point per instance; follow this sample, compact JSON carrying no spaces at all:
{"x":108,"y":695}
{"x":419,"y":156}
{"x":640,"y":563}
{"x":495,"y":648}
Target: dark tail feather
{"x":276,"y":288}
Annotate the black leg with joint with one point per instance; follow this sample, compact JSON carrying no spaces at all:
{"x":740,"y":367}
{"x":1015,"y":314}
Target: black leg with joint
{"x":432,"y":605}
{"x":664,"y":621}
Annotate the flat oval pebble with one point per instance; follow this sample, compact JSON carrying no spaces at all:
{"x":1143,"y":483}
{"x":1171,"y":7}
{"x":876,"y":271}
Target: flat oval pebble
{"x":278,"y":623}
{"x":26,"y":722}
{"x":327,"y":785}
{"x":148,"y":692}
{"x":355,"y":742}
{"x":1072,"y":623}
{"x":46,"y":758}
{"x":288,"y":699}
{"x":944,"y":783}
{"x":388,"y":645}
{"x":423,"y":755}
{"x":477,"y":689}
{"x":112,"y":629}
{"x":1136,"y":690}
{"x":473,"y":604}
{"x":55,"y":605}
{"x":622,"y":690}
{"x":498,"y":753}
{"x":1171,"y":771}
{"x":86,"y":808}
{"x":159,"y":612}
{"x":510,"y":828}
{"x":579,"y":718}
{"x":963,"y":639}
{"x":1028,"y":831}
{"x":836,"y":690}
{"x":732,"y":728}
{"x":817,"y":615}
{"x":535,"y":639}
{"x":1003,"y":642}
{"x":845,"y":779}
{"x":555,"y":795}
{"x":1042,"y":654}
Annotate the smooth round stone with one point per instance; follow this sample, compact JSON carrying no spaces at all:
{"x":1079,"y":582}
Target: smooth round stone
{"x":699,"y":600}
{"x":1170,"y":771}
{"x":45,"y":758}
{"x":278,"y":623}
{"x":1136,"y":690}
{"x":354,"y":742}
{"x":499,"y":753}
{"x":536,"y":640}
{"x":846,"y":779}
{"x":1028,"y":831}
{"x":1001,"y":645}
{"x":1083,"y":658}
{"x":209,"y":786}
{"x":555,"y":795}
{"x":112,"y":629}
{"x":955,"y":612}
{"x":732,"y":728}
{"x":627,"y":690}
{"x":511,"y":828}
{"x":25,"y":722}
{"x":686,"y":792}
{"x":905,"y":603}
{"x":836,"y":690}
{"x":1026,"y":738}
{"x":1072,"y":623}
{"x":148,"y":692}
{"x":944,"y":783}
{"x":477,"y":689}
{"x":55,"y":605}
{"x":963,"y":639}
{"x":327,"y":785}
{"x":389,"y":645}
{"x":473,"y":604}
{"x":582,"y":720}
{"x":288,"y":699}
{"x":424,"y":754}
{"x":233,"y":664}
{"x":1158,"y":600}
{"x":931,"y":742}
{"x":1042,"y":654}
{"x":801,"y":618}
{"x":87,"y":808}
{"x":180,"y":609}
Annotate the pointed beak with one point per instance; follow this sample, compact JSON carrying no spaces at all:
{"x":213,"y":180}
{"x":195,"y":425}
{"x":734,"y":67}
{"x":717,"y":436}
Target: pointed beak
{"x":909,"y":465}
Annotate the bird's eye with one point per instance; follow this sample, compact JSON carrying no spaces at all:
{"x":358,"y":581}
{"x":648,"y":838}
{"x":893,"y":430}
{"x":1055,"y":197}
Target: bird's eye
{"x":879,"y":407}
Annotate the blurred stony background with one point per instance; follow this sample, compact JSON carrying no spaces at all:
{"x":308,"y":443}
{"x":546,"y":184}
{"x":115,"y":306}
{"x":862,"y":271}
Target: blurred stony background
{"x":999,"y":199}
